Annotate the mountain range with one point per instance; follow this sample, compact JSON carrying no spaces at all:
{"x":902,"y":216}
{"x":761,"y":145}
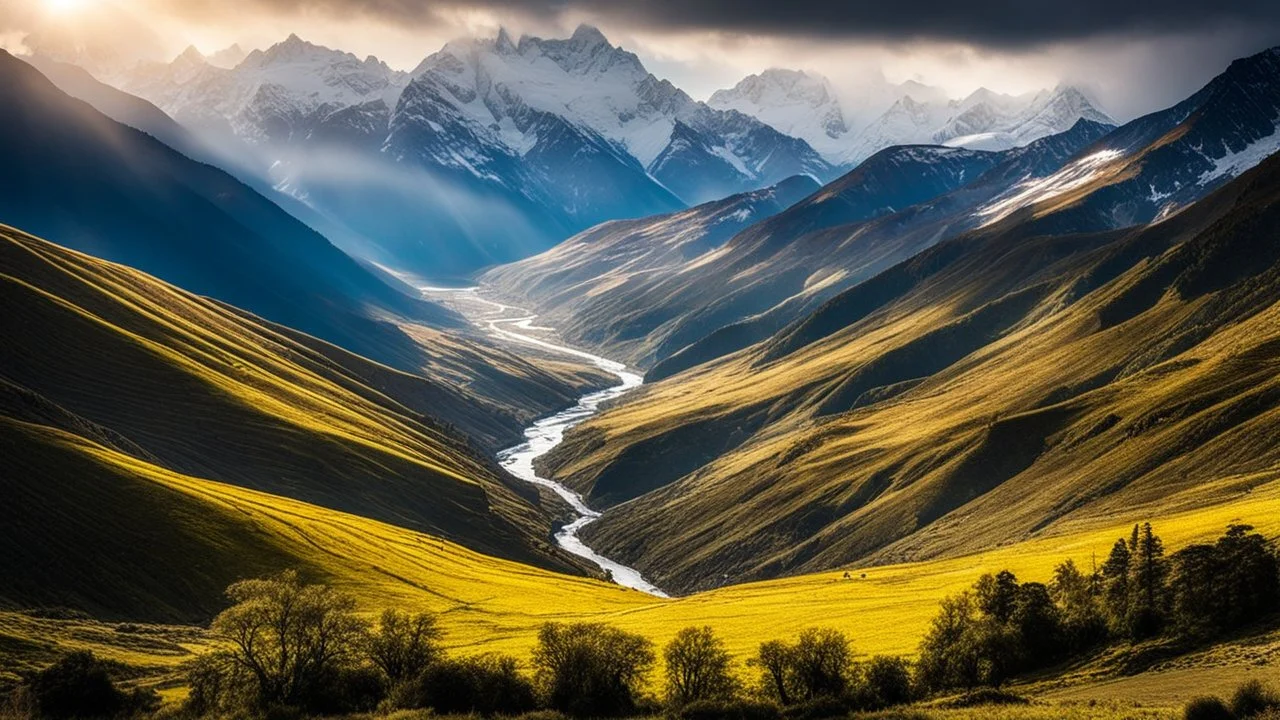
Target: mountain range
{"x":492,"y":149}
{"x":546,"y":136}
{"x":808,"y":107}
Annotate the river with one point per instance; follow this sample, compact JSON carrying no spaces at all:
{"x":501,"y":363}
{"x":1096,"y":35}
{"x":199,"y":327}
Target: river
{"x":543,"y":435}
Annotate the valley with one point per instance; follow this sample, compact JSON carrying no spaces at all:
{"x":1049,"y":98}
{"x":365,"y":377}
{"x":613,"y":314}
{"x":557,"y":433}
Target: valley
{"x":504,"y":375}
{"x":546,"y":433}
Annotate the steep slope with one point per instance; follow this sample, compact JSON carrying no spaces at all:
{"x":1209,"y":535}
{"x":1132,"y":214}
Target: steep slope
{"x":87,"y":182}
{"x":119,"y":359}
{"x":120,"y":106}
{"x":92,"y":184}
{"x":231,"y":155}
{"x":579,"y":279}
{"x":999,"y":386}
{"x":893,"y":205}
{"x":1163,"y":161}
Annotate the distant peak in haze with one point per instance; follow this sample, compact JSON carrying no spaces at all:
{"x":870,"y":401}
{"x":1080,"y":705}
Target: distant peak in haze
{"x":190,"y":55}
{"x":227,"y":57}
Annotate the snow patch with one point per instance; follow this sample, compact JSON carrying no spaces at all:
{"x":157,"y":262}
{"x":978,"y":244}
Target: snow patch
{"x":1076,"y":175}
{"x":1233,"y":164}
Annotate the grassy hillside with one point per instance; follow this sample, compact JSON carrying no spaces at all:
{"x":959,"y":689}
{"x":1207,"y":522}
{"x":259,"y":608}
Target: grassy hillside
{"x":594,"y":287}
{"x":115,"y":357}
{"x":993,"y":389}
{"x":665,"y":311}
{"x":488,"y":603}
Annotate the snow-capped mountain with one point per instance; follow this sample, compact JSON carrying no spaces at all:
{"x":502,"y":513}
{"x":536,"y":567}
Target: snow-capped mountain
{"x":906,"y":122}
{"x":285,"y":94}
{"x":792,"y":102}
{"x":847,"y":132}
{"x":1162,"y":162}
{"x":227,"y":57}
{"x":507,"y":97}
{"x":990,"y":121}
{"x":492,"y":145}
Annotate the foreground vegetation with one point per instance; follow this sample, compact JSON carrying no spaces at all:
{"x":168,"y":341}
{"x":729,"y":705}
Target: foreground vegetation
{"x":287,"y":646}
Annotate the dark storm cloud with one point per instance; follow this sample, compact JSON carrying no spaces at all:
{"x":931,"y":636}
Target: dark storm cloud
{"x":998,"y":23}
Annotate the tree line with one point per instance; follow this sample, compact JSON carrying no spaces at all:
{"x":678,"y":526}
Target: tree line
{"x":1001,"y":627}
{"x":289,"y":646}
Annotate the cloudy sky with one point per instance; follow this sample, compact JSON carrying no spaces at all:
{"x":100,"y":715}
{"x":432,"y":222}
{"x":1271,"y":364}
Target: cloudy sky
{"x":1136,"y":55}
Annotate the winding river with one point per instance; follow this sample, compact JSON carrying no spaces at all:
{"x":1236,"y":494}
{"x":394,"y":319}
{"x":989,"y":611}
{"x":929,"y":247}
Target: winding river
{"x":543,"y":435}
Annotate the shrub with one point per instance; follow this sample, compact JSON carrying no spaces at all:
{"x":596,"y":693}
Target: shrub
{"x":730,"y":710}
{"x":591,"y":669}
{"x":818,"y":708}
{"x":985,"y":696}
{"x":347,"y":690}
{"x":886,"y":681}
{"x":76,"y":686}
{"x":404,"y":645}
{"x":1206,"y":708}
{"x":698,"y":667}
{"x":1252,"y":699}
{"x":484,"y":684}
{"x":541,"y":715}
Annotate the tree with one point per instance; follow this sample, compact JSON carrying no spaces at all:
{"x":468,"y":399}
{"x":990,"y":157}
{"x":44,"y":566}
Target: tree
{"x":939,"y":666}
{"x":698,"y":667}
{"x":1076,"y":597}
{"x":774,"y":661}
{"x":997,"y":594}
{"x":1115,"y":586}
{"x":1252,"y":577}
{"x":287,"y":638}
{"x":76,"y":686}
{"x":822,"y":662}
{"x":1196,"y":598}
{"x":988,"y":653}
{"x":1218,"y":587}
{"x":404,"y":645}
{"x":591,"y":669}
{"x":1037,"y":624}
{"x":1148,"y":573}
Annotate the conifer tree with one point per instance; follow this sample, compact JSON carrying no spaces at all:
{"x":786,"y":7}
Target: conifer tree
{"x":1148,"y":574}
{"x":1115,"y":586}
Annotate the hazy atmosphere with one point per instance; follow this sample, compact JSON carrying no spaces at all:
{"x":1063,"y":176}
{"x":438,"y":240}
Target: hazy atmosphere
{"x":1135,"y":56}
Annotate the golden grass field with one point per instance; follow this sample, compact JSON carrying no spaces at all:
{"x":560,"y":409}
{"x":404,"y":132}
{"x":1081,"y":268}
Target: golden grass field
{"x":488,"y":604}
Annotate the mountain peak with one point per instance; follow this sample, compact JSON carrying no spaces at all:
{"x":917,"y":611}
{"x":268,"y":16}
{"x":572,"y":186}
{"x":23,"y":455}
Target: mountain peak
{"x":589,"y":36}
{"x":227,"y":57}
{"x":190,"y":55}
{"x":503,"y":44}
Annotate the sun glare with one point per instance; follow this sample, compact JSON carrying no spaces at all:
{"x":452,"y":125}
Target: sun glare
{"x":63,"y":7}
